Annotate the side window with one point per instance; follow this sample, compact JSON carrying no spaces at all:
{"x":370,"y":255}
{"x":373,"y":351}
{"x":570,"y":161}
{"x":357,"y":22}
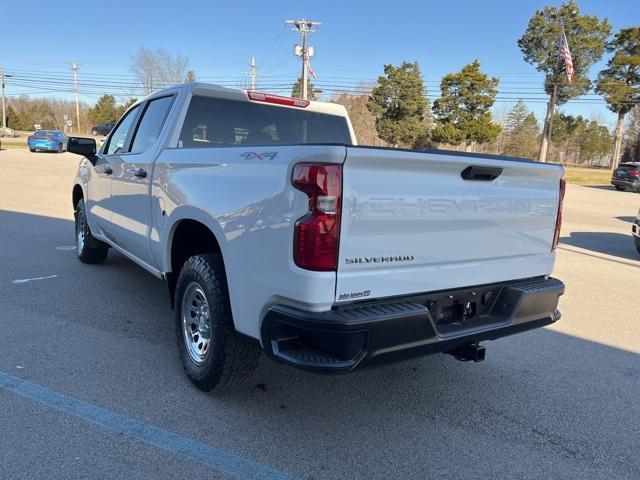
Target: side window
{"x":151,"y":124}
{"x":119,"y":135}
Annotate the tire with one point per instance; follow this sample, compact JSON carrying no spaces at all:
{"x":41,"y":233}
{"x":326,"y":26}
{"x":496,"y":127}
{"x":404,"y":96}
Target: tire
{"x":637,"y":240}
{"x":59,"y":148}
{"x":32,"y":150}
{"x":88,"y":248}
{"x":202,"y":307}
{"x":619,"y":188}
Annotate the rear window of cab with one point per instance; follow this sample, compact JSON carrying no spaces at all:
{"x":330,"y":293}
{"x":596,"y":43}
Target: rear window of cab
{"x":216,"y":122}
{"x":44,"y":133}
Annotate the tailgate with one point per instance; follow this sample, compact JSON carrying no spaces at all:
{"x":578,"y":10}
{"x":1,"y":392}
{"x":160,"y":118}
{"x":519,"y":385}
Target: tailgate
{"x":411,"y":223}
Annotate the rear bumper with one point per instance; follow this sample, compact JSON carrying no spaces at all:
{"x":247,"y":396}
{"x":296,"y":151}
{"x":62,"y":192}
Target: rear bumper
{"x":43,"y":145}
{"x":365,"y":333}
{"x":634,"y":184}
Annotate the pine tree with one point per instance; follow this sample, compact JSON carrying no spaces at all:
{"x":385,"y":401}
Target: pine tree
{"x":521,"y":131}
{"x":312,"y":93}
{"x":463,"y":110}
{"x":619,"y":83}
{"x":631,"y":140}
{"x":104,"y":111}
{"x":587,"y":36}
{"x":400,"y":105}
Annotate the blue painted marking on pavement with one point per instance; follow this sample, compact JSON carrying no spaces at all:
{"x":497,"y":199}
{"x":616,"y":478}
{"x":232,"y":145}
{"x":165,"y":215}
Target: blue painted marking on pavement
{"x":218,"y":459}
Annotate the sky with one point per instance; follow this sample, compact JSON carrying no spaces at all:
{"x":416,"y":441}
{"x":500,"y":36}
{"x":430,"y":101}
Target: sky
{"x":219,"y":38}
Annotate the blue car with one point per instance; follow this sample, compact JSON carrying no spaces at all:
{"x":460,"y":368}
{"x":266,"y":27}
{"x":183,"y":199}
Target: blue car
{"x":47,"y":140}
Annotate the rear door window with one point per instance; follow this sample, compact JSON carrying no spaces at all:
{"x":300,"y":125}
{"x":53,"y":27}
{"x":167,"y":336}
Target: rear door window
{"x":215,"y":122}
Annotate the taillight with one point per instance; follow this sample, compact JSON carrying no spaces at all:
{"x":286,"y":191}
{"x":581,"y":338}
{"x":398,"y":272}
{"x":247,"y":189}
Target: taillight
{"x":633,"y":172}
{"x":317,"y":234}
{"x":278,"y":99}
{"x":556,"y":235}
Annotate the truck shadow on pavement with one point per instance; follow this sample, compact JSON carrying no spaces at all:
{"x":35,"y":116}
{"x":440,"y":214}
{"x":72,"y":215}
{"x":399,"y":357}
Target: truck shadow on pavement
{"x":543,"y":402}
{"x":609,"y":243}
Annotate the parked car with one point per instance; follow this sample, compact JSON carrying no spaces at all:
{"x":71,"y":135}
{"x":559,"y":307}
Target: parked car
{"x":47,"y":140}
{"x":102,"y":129}
{"x":625,"y":177}
{"x":275,"y":232}
{"x":9,"y":133}
{"x":635,"y":231}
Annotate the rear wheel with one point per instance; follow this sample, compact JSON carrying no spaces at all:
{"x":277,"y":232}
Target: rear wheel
{"x":637,"y":240}
{"x":212,"y":353}
{"x":88,"y":248}
{"x":59,"y":148}
{"x":618,"y":188}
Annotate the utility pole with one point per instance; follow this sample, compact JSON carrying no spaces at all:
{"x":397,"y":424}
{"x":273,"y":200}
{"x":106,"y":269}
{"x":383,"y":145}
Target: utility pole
{"x":74,"y":68}
{"x":304,"y":28}
{"x":4,"y":102}
{"x":253,"y":73}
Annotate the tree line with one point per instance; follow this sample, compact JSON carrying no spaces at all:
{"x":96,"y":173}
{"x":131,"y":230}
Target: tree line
{"x":461,"y":117}
{"x":397,"y":112}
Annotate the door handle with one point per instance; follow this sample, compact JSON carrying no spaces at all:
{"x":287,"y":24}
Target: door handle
{"x":138,"y":172}
{"x":479,"y":173}
{"x":108,"y":170}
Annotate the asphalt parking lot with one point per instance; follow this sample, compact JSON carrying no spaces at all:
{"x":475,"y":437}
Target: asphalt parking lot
{"x":106,"y":397}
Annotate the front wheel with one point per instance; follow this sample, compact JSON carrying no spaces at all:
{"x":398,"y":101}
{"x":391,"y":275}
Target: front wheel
{"x":88,"y":248}
{"x":618,"y":188}
{"x":637,"y":240}
{"x":212,"y":353}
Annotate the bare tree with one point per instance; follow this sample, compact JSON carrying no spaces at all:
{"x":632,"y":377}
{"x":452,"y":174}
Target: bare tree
{"x":158,"y":68}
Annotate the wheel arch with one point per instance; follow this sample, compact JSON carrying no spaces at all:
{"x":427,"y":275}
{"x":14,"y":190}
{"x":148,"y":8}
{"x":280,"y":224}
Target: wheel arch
{"x":189,"y":236}
{"x":76,"y":195}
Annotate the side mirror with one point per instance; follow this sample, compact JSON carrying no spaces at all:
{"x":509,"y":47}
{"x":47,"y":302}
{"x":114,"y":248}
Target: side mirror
{"x":82,"y":146}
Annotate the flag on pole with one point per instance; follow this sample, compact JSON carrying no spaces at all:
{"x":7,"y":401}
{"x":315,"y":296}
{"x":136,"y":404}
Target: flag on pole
{"x":311,"y":70}
{"x":565,"y":54}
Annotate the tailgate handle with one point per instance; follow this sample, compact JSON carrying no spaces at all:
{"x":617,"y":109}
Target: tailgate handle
{"x":483,"y":174}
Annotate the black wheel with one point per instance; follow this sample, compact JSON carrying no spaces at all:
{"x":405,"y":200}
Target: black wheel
{"x":212,"y":353}
{"x":59,"y":148}
{"x":637,"y":240}
{"x":618,"y":188}
{"x":32,"y":150}
{"x":88,"y":248}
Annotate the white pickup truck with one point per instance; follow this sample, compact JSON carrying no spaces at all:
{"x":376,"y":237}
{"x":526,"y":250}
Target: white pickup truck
{"x":275,"y":232}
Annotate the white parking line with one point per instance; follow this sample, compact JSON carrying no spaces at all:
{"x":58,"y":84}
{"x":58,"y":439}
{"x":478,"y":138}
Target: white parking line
{"x":65,"y":248}
{"x":25,"y":280}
